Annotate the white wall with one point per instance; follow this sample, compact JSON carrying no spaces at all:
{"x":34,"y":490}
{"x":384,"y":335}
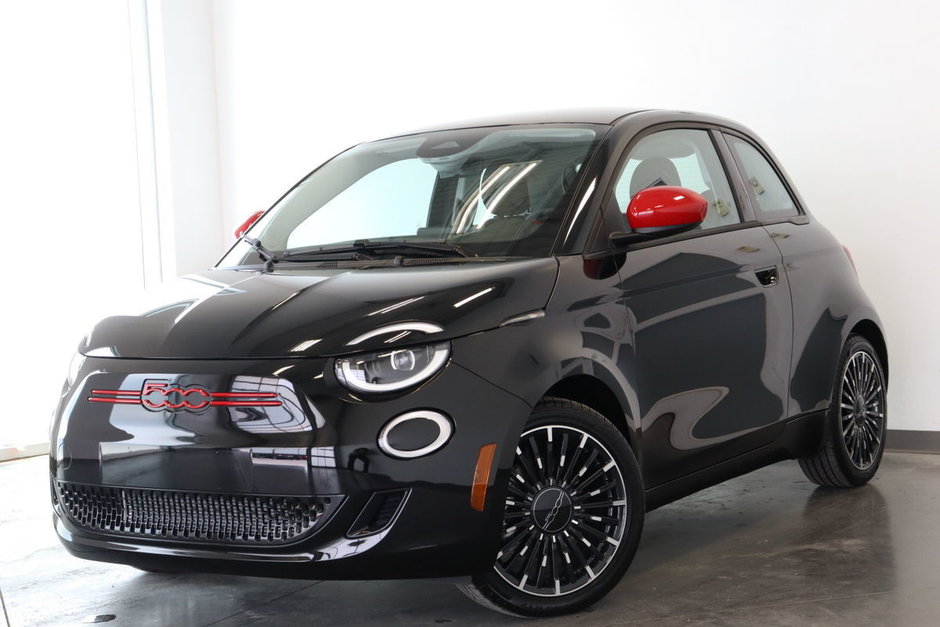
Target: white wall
{"x":68,"y":193}
{"x":109,"y":175}
{"x":186,"y":147}
{"x":844,"y":91}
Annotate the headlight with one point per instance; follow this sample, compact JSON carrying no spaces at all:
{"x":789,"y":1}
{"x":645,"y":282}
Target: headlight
{"x":392,"y":370}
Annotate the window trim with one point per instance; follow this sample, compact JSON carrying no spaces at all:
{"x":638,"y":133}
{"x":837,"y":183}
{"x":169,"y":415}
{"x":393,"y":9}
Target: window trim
{"x":671,"y":239}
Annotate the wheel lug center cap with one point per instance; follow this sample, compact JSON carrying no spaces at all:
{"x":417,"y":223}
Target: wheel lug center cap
{"x":859,"y":405}
{"x":552,"y":509}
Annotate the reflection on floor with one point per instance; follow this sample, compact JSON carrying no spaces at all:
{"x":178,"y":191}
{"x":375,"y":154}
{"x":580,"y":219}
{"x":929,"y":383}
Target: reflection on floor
{"x":765,"y":549}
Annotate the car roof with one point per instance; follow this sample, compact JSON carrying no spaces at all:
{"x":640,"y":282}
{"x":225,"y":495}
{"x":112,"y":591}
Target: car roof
{"x":609,"y":116}
{"x":557,"y":116}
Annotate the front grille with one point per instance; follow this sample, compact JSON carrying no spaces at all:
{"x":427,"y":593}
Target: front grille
{"x":192,"y":516}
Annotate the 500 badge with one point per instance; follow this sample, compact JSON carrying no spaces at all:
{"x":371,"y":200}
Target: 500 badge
{"x":164,"y":395}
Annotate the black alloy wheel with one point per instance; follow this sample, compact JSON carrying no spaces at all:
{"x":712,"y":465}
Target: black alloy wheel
{"x":573,"y":518}
{"x":862,"y":410}
{"x":854,"y":437}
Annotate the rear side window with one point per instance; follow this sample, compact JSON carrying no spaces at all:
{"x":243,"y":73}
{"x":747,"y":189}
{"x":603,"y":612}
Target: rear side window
{"x":770,"y":195}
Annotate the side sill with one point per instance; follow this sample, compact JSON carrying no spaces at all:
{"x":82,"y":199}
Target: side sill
{"x":800,"y":437}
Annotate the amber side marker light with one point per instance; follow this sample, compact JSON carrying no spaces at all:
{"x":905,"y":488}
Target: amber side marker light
{"x":481,"y":476}
{"x":848,"y":254}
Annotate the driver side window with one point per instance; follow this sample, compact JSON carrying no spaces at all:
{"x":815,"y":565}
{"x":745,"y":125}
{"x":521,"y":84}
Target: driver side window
{"x":683,"y":157}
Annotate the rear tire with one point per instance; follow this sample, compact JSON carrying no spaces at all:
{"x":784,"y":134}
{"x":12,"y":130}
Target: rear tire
{"x":854,"y":432}
{"x":573,"y":519}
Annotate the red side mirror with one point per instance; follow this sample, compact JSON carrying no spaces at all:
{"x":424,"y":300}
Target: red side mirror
{"x":247,"y":223}
{"x":665,"y":209}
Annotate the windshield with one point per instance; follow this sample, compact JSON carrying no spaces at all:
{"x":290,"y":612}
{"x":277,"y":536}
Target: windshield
{"x":478,"y":192}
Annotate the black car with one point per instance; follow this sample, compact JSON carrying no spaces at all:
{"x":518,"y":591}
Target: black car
{"x":481,"y":352}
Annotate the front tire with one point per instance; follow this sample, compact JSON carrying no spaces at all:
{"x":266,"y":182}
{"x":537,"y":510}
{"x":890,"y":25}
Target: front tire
{"x":573,"y":519}
{"x":854,"y":433}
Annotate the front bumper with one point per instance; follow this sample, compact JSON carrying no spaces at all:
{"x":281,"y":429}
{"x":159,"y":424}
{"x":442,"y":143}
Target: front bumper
{"x":299,"y":491}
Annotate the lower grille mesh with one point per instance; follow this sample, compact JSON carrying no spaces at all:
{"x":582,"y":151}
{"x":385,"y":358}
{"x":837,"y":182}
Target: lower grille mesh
{"x":191,"y":516}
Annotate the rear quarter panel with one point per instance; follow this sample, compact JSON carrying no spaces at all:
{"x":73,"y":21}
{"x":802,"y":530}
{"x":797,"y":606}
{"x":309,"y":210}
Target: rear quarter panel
{"x":828,"y":302}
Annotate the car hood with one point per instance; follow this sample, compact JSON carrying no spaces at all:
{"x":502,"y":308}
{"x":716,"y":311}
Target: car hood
{"x":234,"y":314}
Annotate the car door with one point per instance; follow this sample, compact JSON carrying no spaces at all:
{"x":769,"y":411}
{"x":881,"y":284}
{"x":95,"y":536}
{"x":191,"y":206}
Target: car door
{"x":814,"y":261}
{"x":709,"y":315}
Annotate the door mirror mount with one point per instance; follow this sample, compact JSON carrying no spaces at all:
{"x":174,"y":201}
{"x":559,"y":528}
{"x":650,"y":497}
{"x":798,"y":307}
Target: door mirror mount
{"x":620,"y":239}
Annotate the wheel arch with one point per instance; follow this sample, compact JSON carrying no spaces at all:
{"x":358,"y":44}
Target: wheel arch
{"x":596,"y":394}
{"x":870,"y":330}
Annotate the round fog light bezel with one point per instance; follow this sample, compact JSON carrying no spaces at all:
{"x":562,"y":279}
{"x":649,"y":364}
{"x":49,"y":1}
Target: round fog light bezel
{"x":445,"y":429}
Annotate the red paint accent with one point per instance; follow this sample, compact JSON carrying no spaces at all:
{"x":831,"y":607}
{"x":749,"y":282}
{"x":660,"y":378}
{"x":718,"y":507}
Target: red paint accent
{"x":244,"y":395}
{"x":192,"y":398}
{"x":247,"y":224}
{"x":151,"y":387}
{"x":664,"y":206}
{"x":246,"y":403}
{"x":126,"y":401}
{"x":116,"y":392}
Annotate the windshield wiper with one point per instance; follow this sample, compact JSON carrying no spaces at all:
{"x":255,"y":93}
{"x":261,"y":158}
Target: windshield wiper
{"x":266,"y":255}
{"x":437,"y":249}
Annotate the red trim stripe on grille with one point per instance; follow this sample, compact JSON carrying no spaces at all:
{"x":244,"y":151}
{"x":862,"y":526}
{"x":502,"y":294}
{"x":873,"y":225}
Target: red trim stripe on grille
{"x":232,"y":399}
{"x":246,"y":403}
{"x":243,"y":395}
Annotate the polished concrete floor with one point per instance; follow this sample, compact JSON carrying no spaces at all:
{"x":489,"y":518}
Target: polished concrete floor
{"x":765,"y":549}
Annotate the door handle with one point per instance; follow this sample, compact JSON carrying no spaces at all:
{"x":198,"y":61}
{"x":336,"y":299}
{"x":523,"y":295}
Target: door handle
{"x":768,"y":277}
